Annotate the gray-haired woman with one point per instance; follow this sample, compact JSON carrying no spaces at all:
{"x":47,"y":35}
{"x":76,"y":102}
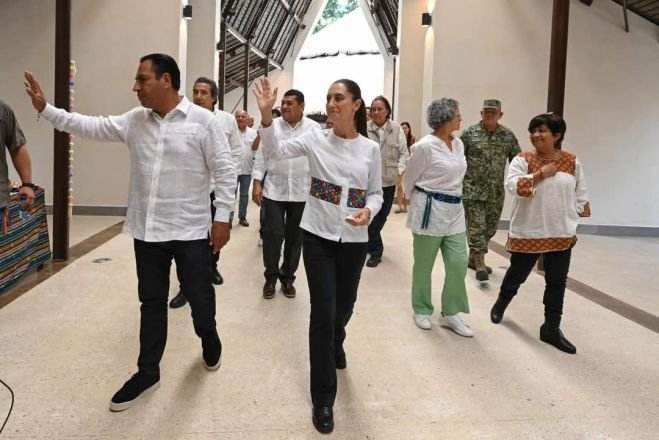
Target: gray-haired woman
{"x":433,"y":180}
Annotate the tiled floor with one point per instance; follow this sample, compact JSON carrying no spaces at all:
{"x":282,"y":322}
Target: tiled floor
{"x":68,"y":344}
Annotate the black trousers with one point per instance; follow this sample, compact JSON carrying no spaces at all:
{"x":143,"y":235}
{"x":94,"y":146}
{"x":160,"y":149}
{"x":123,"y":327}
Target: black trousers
{"x":333,"y":273}
{"x":557,"y":265}
{"x":375,"y":245}
{"x":214,"y":258}
{"x":282,"y":221}
{"x":153,"y":261}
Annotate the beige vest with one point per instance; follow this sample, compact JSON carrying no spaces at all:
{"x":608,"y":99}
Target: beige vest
{"x":389,"y":149}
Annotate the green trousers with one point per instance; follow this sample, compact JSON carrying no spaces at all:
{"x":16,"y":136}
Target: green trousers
{"x":454,"y":292}
{"x":482,"y":221}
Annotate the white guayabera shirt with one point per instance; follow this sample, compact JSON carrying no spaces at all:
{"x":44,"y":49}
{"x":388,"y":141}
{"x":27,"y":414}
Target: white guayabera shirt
{"x":171,"y":163}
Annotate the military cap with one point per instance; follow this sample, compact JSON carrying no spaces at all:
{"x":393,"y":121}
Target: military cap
{"x":492,"y":103}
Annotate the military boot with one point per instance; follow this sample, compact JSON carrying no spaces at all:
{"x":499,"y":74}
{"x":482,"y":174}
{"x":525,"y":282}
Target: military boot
{"x":472,"y":265}
{"x":481,"y":269}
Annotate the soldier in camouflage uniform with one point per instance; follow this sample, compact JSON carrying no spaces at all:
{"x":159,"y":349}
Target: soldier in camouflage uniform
{"x":487,"y":147}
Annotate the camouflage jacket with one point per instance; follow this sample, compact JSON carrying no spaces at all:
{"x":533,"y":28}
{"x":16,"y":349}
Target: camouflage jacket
{"x":486,"y":155}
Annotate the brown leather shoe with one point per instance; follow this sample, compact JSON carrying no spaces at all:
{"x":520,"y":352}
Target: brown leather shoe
{"x":288,"y":290}
{"x":269,"y":289}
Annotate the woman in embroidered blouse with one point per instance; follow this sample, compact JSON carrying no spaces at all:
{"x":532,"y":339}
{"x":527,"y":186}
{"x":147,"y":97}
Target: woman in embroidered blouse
{"x":345,"y":193}
{"x":401,"y":201}
{"x":550,"y":196}
{"x":433,"y":179}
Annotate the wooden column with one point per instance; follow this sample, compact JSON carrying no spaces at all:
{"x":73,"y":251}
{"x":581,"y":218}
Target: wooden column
{"x":221,"y":77}
{"x":61,"y":141}
{"x":246,"y":77}
{"x":558,"y":56}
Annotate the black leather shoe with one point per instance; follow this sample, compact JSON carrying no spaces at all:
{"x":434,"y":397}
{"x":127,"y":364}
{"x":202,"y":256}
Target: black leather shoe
{"x":269,"y":289}
{"x":373,"y":261}
{"x":288,"y":289}
{"x":555,"y":337}
{"x":178,"y":301}
{"x":217,"y":278}
{"x":498,"y":309}
{"x":323,"y":419}
{"x":243,"y":222}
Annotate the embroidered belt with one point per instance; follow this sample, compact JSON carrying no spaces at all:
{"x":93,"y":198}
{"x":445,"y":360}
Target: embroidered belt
{"x":331,"y":193}
{"x":326,"y":191}
{"x":440,"y":197}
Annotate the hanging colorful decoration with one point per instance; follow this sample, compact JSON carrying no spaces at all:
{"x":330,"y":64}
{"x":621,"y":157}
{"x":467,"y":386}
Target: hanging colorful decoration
{"x":72,"y":80}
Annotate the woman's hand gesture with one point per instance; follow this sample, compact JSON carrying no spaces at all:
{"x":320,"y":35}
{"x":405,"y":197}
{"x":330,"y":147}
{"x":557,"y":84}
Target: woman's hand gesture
{"x":266,"y":97}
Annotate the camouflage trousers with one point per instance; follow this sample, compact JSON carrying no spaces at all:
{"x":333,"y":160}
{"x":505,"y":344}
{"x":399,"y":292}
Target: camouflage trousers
{"x":482,"y":219}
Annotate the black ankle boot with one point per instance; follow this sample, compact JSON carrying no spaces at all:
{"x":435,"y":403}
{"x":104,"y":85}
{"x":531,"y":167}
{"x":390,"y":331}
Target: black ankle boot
{"x":554,"y":336}
{"x":498,"y":309}
{"x":323,"y":419}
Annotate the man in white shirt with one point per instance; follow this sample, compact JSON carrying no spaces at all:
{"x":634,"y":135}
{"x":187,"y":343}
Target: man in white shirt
{"x":174,"y":147}
{"x":250,"y":145}
{"x":283,"y":198}
{"x":204,"y":94}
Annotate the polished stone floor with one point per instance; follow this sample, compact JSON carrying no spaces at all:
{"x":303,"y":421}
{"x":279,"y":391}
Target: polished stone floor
{"x":69,"y":343}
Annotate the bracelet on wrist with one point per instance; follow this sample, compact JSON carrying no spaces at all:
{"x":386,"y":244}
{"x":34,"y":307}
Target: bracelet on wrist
{"x":29,"y":185}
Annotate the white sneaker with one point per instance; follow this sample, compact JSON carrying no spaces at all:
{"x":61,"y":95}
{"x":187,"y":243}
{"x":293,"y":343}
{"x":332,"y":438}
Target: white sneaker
{"x":455,"y":323}
{"x":260,"y":242}
{"x":422,"y":321}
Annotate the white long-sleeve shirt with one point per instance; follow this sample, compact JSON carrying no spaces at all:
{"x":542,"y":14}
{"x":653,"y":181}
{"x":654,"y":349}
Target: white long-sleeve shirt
{"x":247,"y":155}
{"x":345,"y":177}
{"x":232,"y":132}
{"x":171,"y":161}
{"x":288,"y":179}
{"x":436,"y":168}
{"x":545,"y":216}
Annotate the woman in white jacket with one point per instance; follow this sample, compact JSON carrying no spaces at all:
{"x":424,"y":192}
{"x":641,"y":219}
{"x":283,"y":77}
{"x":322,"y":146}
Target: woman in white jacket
{"x":344,"y":194}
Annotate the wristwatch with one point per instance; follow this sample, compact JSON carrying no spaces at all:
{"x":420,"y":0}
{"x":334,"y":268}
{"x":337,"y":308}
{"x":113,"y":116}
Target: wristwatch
{"x":29,"y":185}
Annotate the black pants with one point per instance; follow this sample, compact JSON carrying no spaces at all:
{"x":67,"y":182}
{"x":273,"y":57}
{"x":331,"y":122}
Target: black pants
{"x":557,"y":265}
{"x":214,"y":258}
{"x":333,"y":272}
{"x":153,"y":262}
{"x":282,"y":221}
{"x":375,"y":245}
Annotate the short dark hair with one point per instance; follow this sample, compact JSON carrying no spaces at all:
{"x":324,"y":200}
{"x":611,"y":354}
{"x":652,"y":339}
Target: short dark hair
{"x":360,"y":115}
{"x":276,"y":113}
{"x":554,"y":123}
{"x":384,"y":101}
{"x":212,"y":84}
{"x":161,"y":64}
{"x":298,"y":95}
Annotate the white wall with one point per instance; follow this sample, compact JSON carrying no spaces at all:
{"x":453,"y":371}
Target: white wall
{"x":611,"y":105}
{"x":203,"y":35}
{"x":410,"y":65}
{"x":108,"y":38}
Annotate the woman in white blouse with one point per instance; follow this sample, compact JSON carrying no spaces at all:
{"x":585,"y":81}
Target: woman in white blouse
{"x":550,"y":197}
{"x":433,"y":180}
{"x":344,"y":194}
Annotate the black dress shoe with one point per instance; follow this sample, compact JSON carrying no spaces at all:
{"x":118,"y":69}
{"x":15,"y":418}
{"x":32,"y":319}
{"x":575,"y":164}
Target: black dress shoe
{"x":373,"y":261}
{"x":555,"y":337}
{"x":323,"y":419}
{"x":498,"y":309}
{"x":269,"y":289}
{"x":243,"y":222}
{"x":288,"y":289}
{"x":178,"y":301}
{"x":217,"y":278}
